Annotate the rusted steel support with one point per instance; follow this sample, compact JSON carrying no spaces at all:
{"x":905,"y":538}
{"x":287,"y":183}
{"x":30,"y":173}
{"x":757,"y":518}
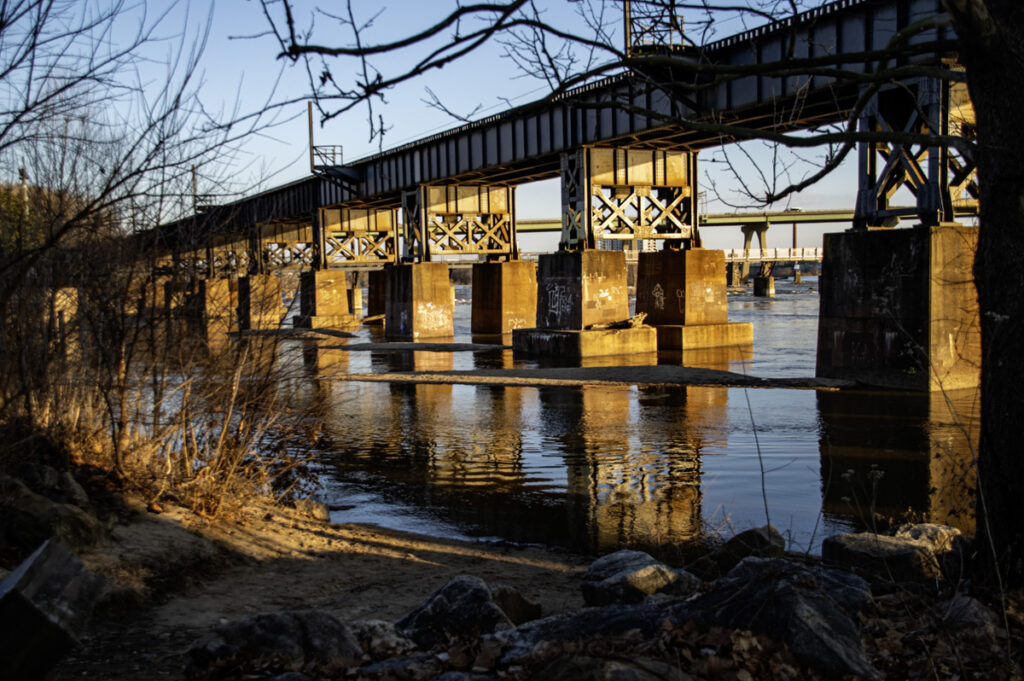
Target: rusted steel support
{"x":459,"y":219}
{"x":940,"y":178}
{"x":628,"y":194}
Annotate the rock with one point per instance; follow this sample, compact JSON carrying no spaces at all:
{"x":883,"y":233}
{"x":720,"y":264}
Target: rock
{"x":45,"y":604}
{"x":763,"y":542}
{"x":305,"y":641}
{"x":880,"y":557}
{"x":73,"y":492}
{"x":287,"y":676}
{"x":578,"y":668}
{"x":380,"y":639}
{"x":415,"y":667}
{"x":462,"y":607}
{"x":787,"y":601}
{"x":612,"y":620}
{"x":963,"y":612}
{"x":938,"y":538}
{"x":515,"y":606}
{"x":849,"y":591}
{"x":28,"y":519}
{"x":628,"y":576}
{"x":313,"y":509}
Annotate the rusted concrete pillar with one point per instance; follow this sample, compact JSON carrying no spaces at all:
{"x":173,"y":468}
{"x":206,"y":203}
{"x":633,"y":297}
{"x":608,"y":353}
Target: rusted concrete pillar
{"x":581,"y":294}
{"x":762,"y":243}
{"x":683,"y":294}
{"x":323,"y":302}
{"x":420,"y":301}
{"x":899,"y":308}
{"x":504,"y":296}
{"x":259,"y":303}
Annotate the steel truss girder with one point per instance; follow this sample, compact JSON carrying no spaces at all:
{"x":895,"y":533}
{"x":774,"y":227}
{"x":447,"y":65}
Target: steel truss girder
{"x":459,"y":219}
{"x":628,"y":194}
{"x":940,"y":178}
{"x":355,"y":236}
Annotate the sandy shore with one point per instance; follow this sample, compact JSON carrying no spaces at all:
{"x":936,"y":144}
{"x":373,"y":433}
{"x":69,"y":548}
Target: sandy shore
{"x":178,"y":575}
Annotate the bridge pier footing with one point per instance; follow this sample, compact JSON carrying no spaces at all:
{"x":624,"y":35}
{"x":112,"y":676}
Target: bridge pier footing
{"x":504,"y":297}
{"x":259,"y":302}
{"x":420,"y":302}
{"x":899,"y":308}
{"x":683,"y":294}
{"x":323,"y":302}
{"x":579,"y":295}
{"x":214,"y":306}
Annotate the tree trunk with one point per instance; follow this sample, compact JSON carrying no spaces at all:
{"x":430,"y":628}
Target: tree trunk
{"x":991,"y":36}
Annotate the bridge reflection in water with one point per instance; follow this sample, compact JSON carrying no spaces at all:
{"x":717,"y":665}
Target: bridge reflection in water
{"x":595,"y":468}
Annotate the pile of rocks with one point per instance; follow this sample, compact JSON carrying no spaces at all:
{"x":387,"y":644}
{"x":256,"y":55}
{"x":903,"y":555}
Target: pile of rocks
{"x":804,"y":613}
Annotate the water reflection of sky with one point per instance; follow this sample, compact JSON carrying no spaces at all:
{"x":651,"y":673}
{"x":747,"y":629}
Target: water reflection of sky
{"x":601,"y":467}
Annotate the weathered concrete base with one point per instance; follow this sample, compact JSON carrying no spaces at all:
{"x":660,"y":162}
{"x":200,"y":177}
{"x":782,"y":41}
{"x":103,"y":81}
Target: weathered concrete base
{"x":764,"y":287}
{"x":579,"y":289}
{"x":504,"y":297}
{"x":693,"y":337}
{"x":259,"y":303}
{"x":324,"y":301}
{"x":420,"y":302}
{"x":899,"y":308}
{"x":585,"y":343}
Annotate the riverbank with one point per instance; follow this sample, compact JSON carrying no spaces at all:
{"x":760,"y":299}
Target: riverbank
{"x":173,"y":578}
{"x":174,"y":575}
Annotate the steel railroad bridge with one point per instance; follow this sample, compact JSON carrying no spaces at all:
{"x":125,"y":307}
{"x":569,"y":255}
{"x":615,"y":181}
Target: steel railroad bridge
{"x":628,"y":165}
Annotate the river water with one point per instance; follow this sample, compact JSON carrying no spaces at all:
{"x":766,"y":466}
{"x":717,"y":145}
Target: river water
{"x":661,"y":468}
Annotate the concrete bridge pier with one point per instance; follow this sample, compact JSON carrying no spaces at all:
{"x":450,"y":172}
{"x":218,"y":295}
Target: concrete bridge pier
{"x":324,"y":300}
{"x":259,"y":302}
{"x":683,"y":294}
{"x":213,"y":309}
{"x":582,"y":299}
{"x":734,"y":274}
{"x":420,"y":301}
{"x":899,"y":308}
{"x":504,"y":297}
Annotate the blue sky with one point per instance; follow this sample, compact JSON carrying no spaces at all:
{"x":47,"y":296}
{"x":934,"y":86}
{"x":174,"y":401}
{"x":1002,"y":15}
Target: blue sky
{"x":240,"y":72}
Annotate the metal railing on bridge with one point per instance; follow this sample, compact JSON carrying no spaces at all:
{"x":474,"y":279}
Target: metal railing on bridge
{"x":774,"y":255}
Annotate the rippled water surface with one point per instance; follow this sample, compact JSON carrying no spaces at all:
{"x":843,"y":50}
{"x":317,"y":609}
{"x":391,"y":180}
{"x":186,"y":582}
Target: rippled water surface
{"x":595,"y":468}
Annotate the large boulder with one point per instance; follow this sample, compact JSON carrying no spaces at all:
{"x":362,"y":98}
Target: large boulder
{"x":307,"y":641}
{"x":810,"y":610}
{"x":520,"y":644}
{"x":45,"y":604}
{"x":882,"y":558}
{"x":760,"y":542}
{"x":629,"y":576}
{"x":28,"y":519}
{"x":462,"y":607}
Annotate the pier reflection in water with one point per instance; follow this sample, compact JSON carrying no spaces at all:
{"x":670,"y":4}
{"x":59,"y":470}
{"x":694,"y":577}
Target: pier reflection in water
{"x":599,"y":467}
